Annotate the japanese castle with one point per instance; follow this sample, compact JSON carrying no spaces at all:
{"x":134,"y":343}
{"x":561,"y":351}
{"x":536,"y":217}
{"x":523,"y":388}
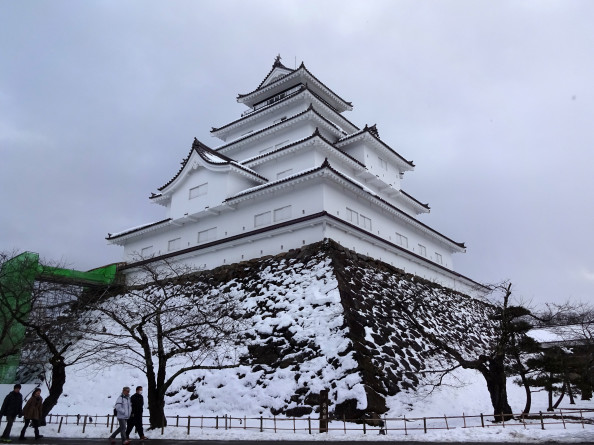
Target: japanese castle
{"x":292,"y":171}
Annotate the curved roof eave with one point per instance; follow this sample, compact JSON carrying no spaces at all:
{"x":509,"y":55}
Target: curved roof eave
{"x":212,"y":158}
{"x":460,"y":247}
{"x":302,"y":70}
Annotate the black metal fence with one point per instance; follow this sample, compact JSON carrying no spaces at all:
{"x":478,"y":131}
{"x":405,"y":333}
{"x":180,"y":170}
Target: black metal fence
{"x":384,"y":425}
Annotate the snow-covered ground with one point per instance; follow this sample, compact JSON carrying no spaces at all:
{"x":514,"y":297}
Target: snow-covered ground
{"x":467,"y":396}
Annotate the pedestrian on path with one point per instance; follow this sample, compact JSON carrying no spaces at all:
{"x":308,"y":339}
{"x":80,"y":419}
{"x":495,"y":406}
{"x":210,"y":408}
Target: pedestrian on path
{"x":122,"y":411}
{"x":32,"y":413}
{"x":137,"y":402}
{"x":11,"y":408}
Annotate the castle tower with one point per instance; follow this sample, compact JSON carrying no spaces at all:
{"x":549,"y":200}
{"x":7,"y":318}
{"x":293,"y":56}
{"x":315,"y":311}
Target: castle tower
{"x":290,"y":171}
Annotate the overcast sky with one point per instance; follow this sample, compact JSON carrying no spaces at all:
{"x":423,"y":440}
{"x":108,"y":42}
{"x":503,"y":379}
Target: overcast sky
{"x":492,"y":100}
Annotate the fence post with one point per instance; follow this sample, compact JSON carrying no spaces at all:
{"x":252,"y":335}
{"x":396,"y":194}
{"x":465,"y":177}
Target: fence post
{"x":77,"y":419}
{"x":324,"y":411}
{"x":482,"y":420}
{"x":244,"y":422}
{"x":405,"y":432}
{"x":502,"y":420}
{"x":261,"y":424}
{"x":60,"y":426}
{"x":364,"y":427}
{"x":541,"y":420}
{"x":446,"y":421}
{"x":275,"y":423}
{"x":562,"y":419}
{"x":177,"y":420}
{"x":225,"y":422}
{"x":84,"y":424}
{"x":294,"y":427}
{"x":344,"y":422}
{"x":386,"y":424}
{"x":189,"y":425}
{"x":464,"y":417}
{"x":425,"y":424}
{"x":309,"y":424}
{"x":582,"y":418}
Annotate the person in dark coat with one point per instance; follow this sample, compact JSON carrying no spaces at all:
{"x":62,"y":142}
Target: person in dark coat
{"x":137,"y":402}
{"x":32,"y":413}
{"x":11,"y":408}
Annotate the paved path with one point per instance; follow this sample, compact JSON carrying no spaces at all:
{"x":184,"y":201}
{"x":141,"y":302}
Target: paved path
{"x":81,"y":441}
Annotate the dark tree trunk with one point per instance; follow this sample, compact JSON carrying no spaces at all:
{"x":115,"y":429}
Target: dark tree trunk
{"x":496,"y":384}
{"x":550,"y":391}
{"x":569,"y":391}
{"x":561,"y":396}
{"x":57,"y":386}
{"x":526,"y":385}
{"x":155,"y":398}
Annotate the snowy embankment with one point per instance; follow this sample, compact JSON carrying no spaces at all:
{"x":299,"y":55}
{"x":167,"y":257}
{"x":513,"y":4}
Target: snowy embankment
{"x":316,"y":319}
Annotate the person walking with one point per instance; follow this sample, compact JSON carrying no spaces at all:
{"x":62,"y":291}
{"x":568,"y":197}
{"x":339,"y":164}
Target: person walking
{"x":11,"y":408}
{"x":32,"y":413}
{"x":123,"y":411}
{"x":137,"y":402}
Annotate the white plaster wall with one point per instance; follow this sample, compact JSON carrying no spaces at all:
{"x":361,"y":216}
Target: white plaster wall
{"x":383,"y":223}
{"x":217,"y":192}
{"x":234,"y":222}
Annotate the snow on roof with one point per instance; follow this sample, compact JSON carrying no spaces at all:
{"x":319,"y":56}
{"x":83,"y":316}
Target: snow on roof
{"x":545,"y":335}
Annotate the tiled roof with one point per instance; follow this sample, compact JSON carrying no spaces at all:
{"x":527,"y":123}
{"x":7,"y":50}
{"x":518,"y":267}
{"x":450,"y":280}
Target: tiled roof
{"x":277,"y":64}
{"x":372,"y":131}
{"x":136,"y":229}
{"x":415,"y":200}
{"x":301,"y":67}
{"x":315,"y":134}
{"x":303,"y":88}
{"x":210,"y":156}
{"x":326,"y":165}
{"x":296,"y":116}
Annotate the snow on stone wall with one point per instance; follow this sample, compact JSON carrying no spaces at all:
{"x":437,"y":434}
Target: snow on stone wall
{"x":320,"y":317}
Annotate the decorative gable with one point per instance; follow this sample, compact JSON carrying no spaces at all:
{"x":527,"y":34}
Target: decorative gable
{"x":205,"y":179}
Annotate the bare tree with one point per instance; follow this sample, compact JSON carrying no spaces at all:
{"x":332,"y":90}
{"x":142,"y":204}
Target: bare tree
{"x":44,"y":322}
{"x":491,"y":359}
{"x":165,"y":323}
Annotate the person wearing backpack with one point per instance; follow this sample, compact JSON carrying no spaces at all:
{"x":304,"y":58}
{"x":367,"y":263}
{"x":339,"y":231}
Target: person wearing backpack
{"x":123,"y":410}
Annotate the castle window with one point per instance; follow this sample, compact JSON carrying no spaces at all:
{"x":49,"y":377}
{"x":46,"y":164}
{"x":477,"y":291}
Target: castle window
{"x":438,"y":258}
{"x":401,"y":240}
{"x":284,"y":173}
{"x":174,"y":244}
{"x":352,"y":216}
{"x":199,"y":190}
{"x":383,"y":164}
{"x":282,"y":213}
{"x":262,"y":219}
{"x":147,"y":252}
{"x":207,"y":235}
{"x":366,"y":222}
{"x":422,"y":250}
